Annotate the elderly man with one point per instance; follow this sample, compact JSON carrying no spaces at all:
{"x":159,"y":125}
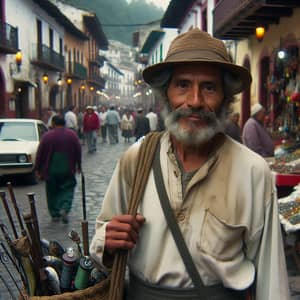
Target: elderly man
{"x":255,"y":135}
{"x":221,"y":193}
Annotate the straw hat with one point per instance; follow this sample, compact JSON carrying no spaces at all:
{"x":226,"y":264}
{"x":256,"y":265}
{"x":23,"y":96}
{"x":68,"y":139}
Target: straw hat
{"x":198,"y":46}
{"x":256,"y":108}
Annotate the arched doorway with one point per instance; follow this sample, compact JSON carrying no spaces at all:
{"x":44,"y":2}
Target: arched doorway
{"x":264,"y":72}
{"x":54,"y":97}
{"x":246,"y":103}
{"x":21,"y":94}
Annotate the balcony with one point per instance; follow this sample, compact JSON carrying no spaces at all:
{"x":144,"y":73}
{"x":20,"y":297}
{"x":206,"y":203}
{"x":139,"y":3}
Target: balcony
{"x":46,"y":57}
{"x":97,"y":80}
{"x":8,"y":38}
{"x":76,"y":70}
{"x":98,"y":60}
{"x":237,"y":19}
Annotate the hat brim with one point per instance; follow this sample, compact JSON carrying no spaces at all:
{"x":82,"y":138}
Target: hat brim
{"x":241,"y":75}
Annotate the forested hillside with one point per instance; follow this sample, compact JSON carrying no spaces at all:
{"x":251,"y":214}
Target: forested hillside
{"x":115,"y":12}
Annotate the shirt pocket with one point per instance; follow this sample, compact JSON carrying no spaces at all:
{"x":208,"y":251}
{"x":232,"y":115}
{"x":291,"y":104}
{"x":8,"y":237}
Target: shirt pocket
{"x":220,"y":240}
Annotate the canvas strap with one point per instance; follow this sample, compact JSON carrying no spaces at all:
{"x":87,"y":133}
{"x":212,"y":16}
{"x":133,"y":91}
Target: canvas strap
{"x":144,"y":164}
{"x":205,"y":292}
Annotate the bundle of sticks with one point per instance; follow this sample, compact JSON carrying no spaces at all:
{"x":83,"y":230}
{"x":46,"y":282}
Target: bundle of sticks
{"x":44,"y":267}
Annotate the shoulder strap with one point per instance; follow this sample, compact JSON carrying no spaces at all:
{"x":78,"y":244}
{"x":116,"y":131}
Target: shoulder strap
{"x":144,"y":164}
{"x":173,"y":225}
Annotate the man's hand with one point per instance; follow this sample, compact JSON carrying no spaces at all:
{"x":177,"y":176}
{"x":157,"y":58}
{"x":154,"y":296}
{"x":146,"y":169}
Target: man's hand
{"x":122,"y":232}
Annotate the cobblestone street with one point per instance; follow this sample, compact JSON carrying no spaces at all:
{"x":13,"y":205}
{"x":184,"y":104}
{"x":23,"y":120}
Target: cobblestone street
{"x":98,"y":168}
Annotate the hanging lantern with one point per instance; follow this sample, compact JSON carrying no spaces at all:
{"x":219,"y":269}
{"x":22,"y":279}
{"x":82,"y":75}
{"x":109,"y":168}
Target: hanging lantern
{"x":19,"y":58}
{"x":260,"y":33}
{"x":69,"y":80}
{"x":45,"y":78}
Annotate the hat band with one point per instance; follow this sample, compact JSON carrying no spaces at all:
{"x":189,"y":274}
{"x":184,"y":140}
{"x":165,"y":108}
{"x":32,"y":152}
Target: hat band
{"x":197,"y":54}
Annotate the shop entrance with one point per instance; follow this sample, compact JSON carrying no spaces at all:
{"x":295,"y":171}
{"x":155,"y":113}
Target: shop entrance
{"x":285,"y":86}
{"x":21,"y":98}
{"x":263,"y":83}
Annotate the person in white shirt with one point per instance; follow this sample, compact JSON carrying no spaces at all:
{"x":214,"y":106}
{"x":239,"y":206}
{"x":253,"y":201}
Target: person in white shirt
{"x":71,"y":118}
{"x":152,"y":116}
{"x":222,"y":194}
{"x":102,"y":116}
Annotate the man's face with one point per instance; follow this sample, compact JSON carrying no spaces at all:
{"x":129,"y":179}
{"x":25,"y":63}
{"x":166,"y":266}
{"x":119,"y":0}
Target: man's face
{"x":195,"y":112}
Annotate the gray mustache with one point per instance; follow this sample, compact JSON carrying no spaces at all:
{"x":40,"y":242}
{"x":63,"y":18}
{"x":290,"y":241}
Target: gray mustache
{"x":200,"y":113}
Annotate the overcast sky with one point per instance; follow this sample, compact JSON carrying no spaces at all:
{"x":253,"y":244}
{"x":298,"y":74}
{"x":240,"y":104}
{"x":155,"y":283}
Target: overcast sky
{"x":160,"y":3}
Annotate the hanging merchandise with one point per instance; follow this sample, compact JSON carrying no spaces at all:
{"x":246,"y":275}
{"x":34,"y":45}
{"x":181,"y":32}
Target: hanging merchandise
{"x":295,"y":96}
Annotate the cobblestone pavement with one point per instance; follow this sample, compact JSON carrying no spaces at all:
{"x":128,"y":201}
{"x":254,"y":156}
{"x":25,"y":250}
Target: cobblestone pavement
{"x":98,"y":168}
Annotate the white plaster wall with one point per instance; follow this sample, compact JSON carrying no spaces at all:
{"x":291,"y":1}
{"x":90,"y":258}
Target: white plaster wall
{"x":24,"y":14}
{"x":165,"y":40}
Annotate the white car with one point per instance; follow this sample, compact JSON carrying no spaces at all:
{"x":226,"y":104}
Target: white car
{"x":19,"y":141}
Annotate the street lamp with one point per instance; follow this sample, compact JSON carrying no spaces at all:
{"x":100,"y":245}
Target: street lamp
{"x":45,"y":78}
{"x":260,"y":33}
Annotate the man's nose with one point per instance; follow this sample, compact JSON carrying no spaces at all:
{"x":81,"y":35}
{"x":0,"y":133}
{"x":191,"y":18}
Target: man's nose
{"x":195,"y":97}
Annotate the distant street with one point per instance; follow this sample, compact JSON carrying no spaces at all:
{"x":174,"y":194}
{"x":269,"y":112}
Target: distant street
{"x":98,"y":168}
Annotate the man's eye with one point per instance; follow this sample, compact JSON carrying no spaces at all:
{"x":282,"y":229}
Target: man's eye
{"x":182,"y":84}
{"x":209,"y":87}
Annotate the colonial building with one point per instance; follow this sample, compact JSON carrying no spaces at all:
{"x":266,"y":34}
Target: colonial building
{"x":121,"y":61}
{"x":27,"y":81}
{"x":46,"y":58}
{"x":86,"y":90}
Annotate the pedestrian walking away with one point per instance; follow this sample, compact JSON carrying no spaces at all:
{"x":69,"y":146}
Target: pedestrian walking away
{"x":207,"y":225}
{"x":58,"y":158}
{"x":103,"y":128}
{"x":127,"y":126}
{"x":113,"y":123}
{"x":71,"y":118}
{"x":153,"y":119}
{"x":91,"y":125}
{"x":142,"y":124}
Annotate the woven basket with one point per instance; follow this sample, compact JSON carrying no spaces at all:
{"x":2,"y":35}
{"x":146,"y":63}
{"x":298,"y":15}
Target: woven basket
{"x":99,"y":291}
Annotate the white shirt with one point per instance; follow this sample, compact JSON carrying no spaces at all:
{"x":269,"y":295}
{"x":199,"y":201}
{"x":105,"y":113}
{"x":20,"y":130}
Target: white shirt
{"x":228,"y":218}
{"x":71,"y":120}
{"x":152,"y":120}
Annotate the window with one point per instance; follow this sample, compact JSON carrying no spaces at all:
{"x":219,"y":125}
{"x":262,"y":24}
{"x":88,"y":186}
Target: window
{"x":161,"y":52}
{"x":50,"y":38}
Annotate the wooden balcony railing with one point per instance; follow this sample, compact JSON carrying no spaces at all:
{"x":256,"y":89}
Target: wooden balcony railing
{"x":77,"y":70}
{"x":8,"y":38}
{"x":96,"y":79}
{"x":47,"y":57}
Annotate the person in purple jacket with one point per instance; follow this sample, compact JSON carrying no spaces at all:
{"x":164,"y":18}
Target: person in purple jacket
{"x":255,"y":135}
{"x":58,"y":158}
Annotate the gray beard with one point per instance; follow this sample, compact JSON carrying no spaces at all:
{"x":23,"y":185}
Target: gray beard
{"x":193,"y":136}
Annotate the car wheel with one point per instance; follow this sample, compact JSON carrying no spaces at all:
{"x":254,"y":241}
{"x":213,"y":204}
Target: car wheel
{"x":31,"y":178}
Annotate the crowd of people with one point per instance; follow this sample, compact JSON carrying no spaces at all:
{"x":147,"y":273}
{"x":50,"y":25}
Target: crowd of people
{"x":108,"y":123}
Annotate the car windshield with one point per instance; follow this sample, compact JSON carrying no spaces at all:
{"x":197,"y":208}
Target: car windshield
{"x":17,"y":131}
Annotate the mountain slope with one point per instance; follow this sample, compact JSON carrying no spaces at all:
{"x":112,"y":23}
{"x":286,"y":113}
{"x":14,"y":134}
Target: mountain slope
{"x":115,"y":12}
